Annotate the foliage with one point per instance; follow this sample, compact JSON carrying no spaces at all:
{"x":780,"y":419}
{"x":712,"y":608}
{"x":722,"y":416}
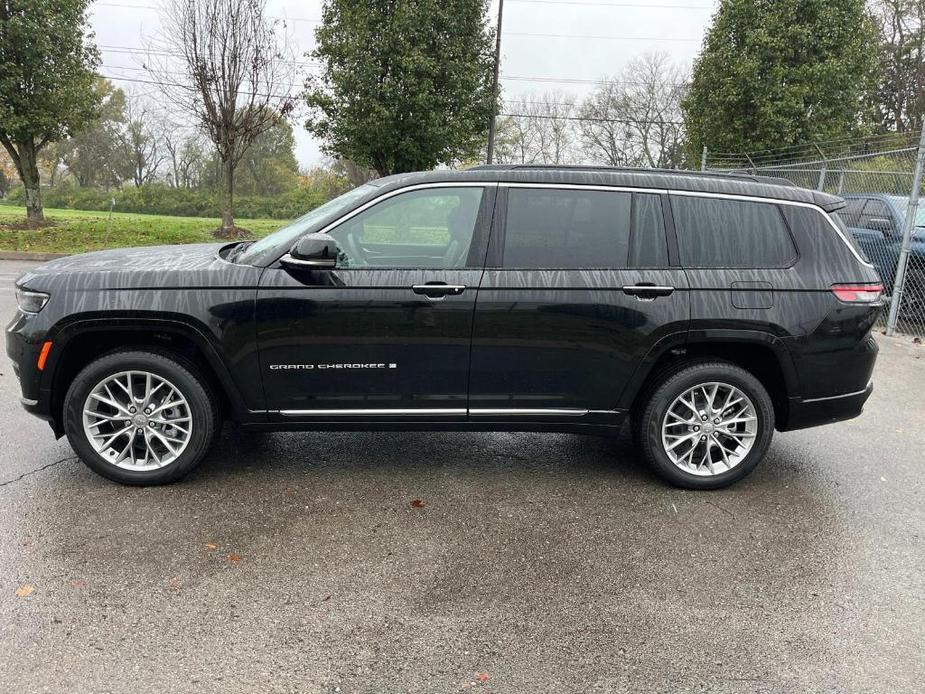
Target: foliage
{"x":157,"y":198}
{"x":900,"y":96}
{"x":405,"y":85}
{"x":47,"y":63}
{"x":237,"y":78}
{"x":775,"y":74}
{"x":269,"y":166}
{"x":74,"y":231}
{"x":95,"y":156}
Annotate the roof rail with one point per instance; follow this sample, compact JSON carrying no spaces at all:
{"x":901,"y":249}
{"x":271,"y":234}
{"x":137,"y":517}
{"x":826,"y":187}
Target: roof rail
{"x":735,"y":175}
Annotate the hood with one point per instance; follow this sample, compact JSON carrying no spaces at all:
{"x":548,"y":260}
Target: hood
{"x":180,"y":266}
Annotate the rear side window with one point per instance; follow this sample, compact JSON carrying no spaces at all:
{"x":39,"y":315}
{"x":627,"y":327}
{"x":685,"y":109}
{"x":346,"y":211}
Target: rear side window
{"x":582,"y":229}
{"x":721,"y":233}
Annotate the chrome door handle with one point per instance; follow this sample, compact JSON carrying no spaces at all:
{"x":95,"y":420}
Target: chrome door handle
{"x":438,"y":290}
{"x":647,"y":292}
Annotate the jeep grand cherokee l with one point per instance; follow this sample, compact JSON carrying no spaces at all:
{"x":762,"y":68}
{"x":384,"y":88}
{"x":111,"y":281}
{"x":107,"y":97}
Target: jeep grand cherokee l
{"x":709,"y":310}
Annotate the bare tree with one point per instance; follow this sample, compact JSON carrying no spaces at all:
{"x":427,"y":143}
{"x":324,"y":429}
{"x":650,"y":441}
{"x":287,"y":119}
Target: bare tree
{"x":141,"y":141}
{"x":635,"y":119}
{"x":604,"y":125}
{"x":540,"y":129}
{"x":185,"y":154}
{"x":237,"y":77}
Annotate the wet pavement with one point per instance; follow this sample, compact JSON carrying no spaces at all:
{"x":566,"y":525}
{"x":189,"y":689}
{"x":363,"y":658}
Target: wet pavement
{"x":469,"y":562}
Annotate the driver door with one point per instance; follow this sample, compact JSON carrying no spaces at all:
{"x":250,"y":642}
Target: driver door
{"x":387,"y":332}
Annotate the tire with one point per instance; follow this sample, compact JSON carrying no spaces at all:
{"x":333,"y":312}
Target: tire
{"x":180,"y":428}
{"x":736,"y":444}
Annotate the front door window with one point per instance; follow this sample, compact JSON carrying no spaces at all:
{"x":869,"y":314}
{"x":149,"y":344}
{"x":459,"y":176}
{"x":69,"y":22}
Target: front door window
{"x":422,"y":229}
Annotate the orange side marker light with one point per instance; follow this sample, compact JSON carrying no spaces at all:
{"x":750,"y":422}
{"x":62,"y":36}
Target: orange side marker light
{"x":43,"y":355}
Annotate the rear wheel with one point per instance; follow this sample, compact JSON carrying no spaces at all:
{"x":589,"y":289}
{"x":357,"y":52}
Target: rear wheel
{"x":140,"y":417}
{"x":706,"y":425}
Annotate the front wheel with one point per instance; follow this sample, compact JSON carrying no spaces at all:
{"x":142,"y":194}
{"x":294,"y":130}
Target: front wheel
{"x":139,"y":417}
{"x":706,"y":425}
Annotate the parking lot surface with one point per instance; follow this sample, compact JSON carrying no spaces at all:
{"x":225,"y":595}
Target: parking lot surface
{"x":323,"y":562}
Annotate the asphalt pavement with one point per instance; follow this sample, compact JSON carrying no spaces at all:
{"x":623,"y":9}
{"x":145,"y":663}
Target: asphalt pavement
{"x":405,"y":562}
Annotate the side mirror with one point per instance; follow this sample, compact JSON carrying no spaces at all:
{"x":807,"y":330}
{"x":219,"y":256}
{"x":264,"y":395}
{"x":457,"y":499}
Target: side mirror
{"x":314,"y":251}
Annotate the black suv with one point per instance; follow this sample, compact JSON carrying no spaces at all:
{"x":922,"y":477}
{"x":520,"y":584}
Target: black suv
{"x":708,"y":309}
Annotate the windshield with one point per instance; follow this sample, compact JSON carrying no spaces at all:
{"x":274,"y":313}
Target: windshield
{"x":271,"y":247}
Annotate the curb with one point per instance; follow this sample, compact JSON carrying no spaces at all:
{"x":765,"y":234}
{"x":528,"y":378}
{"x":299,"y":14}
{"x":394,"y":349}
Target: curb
{"x":28,"y":255}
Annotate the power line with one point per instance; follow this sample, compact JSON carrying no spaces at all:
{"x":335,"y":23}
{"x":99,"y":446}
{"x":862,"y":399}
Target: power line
{"x":615,"y":4}
{"x":592,"y":119}
{"x":593,"y":37}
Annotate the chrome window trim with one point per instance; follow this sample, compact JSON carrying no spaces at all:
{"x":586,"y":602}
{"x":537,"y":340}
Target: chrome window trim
{"x":778,"y":201}
{"x":591,"y":187}
{"x":584,"y":186}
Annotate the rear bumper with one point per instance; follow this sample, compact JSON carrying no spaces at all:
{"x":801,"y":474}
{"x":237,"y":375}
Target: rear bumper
{"x":803,"y":414}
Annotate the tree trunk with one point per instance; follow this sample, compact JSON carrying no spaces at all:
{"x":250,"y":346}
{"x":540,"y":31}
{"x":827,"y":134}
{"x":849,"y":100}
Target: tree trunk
{"x":29,"y":173}
{"x":227,"y":230}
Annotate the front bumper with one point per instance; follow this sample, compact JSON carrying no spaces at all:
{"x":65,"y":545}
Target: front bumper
{"x":24,"y":353}
{"x":802,"y":414}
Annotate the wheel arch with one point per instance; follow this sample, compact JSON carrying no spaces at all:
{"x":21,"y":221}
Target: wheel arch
{"x":763,"y":355}
{"x":80,"y":342}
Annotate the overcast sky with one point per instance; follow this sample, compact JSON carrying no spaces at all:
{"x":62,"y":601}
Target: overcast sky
{"x":610,"y":32}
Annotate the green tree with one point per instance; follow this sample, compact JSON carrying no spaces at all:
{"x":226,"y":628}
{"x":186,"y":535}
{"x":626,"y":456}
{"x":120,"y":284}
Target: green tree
{"x":269,"y":167}
{"x":95,"y":156}
{"x":775,"y":73}
{"x":47,"y":63}
{"x":405,"y":84}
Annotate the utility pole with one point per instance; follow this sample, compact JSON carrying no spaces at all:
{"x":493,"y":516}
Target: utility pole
{"x":496,"y":90}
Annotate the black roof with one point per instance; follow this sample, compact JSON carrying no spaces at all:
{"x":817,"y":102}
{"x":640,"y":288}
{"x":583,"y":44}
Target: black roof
{"x":663,"y":179}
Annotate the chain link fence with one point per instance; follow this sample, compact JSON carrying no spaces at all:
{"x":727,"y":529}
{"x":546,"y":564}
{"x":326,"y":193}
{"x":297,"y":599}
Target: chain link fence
{"x":881,"y":180}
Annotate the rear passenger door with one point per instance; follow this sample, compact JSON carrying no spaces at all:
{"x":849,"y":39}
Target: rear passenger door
{"x":577,"y":289}
{"x":740,"y":259}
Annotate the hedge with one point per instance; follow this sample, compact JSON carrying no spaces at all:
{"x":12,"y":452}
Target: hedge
{"x":178,"y":202}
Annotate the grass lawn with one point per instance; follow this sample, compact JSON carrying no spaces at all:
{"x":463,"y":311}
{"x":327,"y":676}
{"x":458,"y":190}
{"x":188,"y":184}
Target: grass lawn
{"x":77,"y":231}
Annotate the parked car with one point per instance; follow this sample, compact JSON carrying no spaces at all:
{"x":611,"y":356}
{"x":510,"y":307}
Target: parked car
{"x":710,"y":310}
{"x":876,"y":222}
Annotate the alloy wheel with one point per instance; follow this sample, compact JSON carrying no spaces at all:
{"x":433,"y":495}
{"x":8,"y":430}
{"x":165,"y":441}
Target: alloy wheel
{"x":709,"y":429}
{"x":137,"y":420}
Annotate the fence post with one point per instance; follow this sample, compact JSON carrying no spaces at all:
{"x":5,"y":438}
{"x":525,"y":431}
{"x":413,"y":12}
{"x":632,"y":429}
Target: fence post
{"x":824,"y":171}
{"x":703,"y":159}
{"x":908,"y":226}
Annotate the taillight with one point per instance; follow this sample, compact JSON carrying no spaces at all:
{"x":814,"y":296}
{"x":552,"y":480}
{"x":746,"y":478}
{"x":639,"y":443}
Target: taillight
{"x":858,"y":293}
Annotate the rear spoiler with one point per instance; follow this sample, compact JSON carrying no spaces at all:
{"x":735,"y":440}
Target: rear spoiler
{"x":830,"y":203}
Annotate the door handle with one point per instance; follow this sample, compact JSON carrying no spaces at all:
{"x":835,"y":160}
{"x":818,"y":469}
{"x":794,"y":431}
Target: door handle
{"x":438,"y":290}
{"x":645,"y":291}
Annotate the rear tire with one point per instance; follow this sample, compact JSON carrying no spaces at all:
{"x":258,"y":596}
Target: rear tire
{"x":140,"y":417}
{"x":696,"y":441}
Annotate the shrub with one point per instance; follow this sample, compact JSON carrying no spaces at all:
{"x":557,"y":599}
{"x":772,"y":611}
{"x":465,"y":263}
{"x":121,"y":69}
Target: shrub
{"x":157,"y":198}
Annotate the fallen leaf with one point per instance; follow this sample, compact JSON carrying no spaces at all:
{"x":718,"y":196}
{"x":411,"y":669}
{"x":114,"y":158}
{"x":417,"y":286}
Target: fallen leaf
{"x":24,"y":591}
{"x":211,"y":545}
{"x":482,"y":677}
{"x":418,"y":503}
{"x":233,"y":557}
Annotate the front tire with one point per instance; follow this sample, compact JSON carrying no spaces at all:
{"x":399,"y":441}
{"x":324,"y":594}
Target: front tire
{"x":706,"y":425}
{"x":140,"y":417}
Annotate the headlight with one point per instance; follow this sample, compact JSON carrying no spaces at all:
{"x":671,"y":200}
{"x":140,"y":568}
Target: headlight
{"x":30,"y":302}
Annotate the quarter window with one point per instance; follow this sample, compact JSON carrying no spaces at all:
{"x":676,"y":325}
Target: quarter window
{"x":550,"y":228}
{"x":426,"y":229}
{"x":720,"y":233}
